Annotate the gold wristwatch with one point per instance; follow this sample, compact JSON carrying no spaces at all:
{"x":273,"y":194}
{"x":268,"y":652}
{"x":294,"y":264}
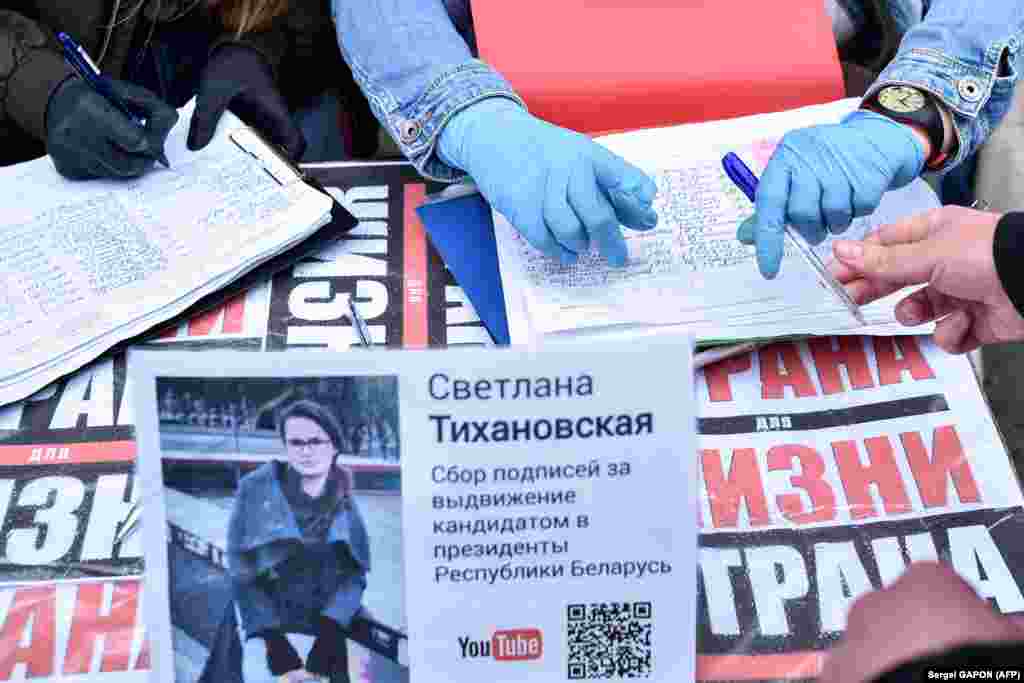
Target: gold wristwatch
{"x":910,"y":105}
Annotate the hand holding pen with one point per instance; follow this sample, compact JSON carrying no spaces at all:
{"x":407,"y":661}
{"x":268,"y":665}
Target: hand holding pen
{"x":747,"y":182}
{"x":97,"y":127}
{"x":821,"y":177}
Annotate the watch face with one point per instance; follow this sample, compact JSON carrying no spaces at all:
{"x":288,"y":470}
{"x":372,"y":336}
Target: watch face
{"x":900,"y":98}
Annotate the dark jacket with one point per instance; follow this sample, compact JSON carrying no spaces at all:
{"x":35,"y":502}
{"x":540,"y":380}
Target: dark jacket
{"x":281,"y":582}
{"x":300,"y":47}
{"x":1008,"y":252}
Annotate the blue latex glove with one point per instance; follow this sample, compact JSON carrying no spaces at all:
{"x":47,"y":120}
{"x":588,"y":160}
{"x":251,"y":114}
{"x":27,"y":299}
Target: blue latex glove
{"x":820,"y":178}
{"x":561,"y":190}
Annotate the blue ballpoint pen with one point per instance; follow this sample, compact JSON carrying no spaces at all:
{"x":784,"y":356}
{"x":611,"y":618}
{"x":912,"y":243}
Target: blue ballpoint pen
{"x":360,"y":324}
{"x":80,"y":61}
{"x":745,"y":179}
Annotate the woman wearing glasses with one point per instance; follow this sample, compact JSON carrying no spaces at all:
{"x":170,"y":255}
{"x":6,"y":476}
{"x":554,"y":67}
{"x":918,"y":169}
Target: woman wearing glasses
{"x":298,"y":555}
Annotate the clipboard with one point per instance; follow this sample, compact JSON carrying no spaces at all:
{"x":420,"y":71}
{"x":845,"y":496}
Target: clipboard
{"x":275,"y":161}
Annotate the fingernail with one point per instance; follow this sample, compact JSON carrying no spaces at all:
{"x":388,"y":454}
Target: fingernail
{"x":908,"y":313}
{"x":647,"y":192}
{"x":849,"y":251}
{"x":745,"y":233}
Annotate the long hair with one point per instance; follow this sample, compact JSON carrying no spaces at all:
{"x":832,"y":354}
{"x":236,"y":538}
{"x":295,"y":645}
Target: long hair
{"x":247,"y":16}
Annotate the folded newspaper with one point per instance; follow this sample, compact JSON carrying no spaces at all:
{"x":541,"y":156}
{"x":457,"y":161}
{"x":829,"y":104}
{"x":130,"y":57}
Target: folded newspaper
{"x":70,"y":583}
{"x":504,"y":516}
{"x":827,"y":466}
{"x":793,"y":527}
{"x":87,"y":265}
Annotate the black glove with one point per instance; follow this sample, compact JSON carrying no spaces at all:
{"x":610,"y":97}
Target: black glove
{"x":329,"y":654}
{"x":238,"y":78}
{"x":363,"y":126}
{"x":281,"y":656}
{"x":88,"y":137}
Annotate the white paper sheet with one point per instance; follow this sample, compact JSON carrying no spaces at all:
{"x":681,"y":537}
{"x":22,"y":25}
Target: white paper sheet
{"x":87,"y":264}
{"x":502,"y":547}
{"x":691,"y":271}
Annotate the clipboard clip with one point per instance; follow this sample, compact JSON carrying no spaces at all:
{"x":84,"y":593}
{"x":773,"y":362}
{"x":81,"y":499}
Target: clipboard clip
{"x":283,"y":160}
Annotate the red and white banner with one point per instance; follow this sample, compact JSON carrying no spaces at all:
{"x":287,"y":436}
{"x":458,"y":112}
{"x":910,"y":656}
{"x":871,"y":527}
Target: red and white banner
{"x":827,"y":466}
{"x":73,"y":631}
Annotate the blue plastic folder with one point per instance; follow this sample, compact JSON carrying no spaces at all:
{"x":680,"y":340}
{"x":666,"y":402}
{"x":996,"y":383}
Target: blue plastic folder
{"x":462,"y":231}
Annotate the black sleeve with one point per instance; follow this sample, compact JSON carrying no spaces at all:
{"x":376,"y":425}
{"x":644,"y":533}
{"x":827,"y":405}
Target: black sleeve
{"x":1008,"y":254}
{"x":31,"y":68}
{"x":281,"y":656}
{"x":975,"y":657}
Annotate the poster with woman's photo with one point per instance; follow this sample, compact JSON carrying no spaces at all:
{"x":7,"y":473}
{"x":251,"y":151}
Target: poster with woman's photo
{"x":284,"y":524}
{"x":386,"y":516}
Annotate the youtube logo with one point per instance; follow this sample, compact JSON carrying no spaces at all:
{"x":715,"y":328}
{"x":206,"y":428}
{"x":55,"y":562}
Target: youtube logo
{"x":510,"y":645}
{"x":517,"y":645}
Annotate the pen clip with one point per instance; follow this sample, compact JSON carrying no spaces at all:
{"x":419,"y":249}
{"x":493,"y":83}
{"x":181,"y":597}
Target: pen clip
{"x":76,"y":56}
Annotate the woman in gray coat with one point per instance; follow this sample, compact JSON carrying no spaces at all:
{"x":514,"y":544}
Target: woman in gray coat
{"x":298,"y":554}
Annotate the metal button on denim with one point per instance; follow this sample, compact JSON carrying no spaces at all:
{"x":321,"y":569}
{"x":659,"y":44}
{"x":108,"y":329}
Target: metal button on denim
{"x":969,"y":89}
{"x":408,"y":130}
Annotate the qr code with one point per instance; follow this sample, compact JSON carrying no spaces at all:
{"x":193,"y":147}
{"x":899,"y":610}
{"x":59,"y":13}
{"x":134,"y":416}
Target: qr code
{"x":609,"y":640}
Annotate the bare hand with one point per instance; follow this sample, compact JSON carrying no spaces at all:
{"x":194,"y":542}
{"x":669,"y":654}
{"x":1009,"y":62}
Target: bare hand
{"x":926,"y":611}
{"x":950,"y":249}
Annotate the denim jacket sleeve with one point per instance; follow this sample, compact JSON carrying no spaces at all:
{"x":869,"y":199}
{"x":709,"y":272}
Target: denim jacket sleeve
{"x":415,"y":63}
{"x":964,"y":53}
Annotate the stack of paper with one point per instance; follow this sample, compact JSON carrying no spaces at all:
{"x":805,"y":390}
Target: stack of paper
{"x":87,"y":265}
{"x":691,"y":271}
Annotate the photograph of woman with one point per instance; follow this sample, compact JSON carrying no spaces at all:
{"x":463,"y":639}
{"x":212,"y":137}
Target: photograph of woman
{"x":298,"y":554}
